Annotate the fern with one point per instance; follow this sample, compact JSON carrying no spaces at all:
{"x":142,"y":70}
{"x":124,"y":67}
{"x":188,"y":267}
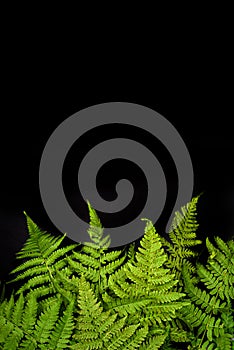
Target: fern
{"x":43,"y":260}
{"x":211,"y":311}
{"x":94,"y":261}
{"x":142,"y":290}
{"x":182,"y":237}
{"x":91,"y":297}
{"x":63,"y":330}
{"x":98,"y":329}
{"x":95,"y":230}
{"x":23,"y":327}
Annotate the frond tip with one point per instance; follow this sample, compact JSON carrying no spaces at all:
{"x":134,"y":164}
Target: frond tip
{"x":95,"y":230}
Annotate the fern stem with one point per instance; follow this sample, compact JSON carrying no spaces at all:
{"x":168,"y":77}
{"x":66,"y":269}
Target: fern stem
{"x":50,"y":276}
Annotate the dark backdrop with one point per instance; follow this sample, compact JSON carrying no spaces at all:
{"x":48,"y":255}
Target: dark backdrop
{"x":193,"y":93}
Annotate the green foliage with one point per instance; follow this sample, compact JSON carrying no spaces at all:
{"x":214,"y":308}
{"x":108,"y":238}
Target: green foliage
{"x":92,"y":297}
{"x":143,"y":288}
{"x":99,"y":329}
{"x":23,"y":326}
{"x":94,"y":261}
{"x":182,"y":237}
{"x":210,"y":313}
{"x":43,"y":260}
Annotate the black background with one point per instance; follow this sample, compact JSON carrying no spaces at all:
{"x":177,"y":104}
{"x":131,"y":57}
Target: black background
{"x":40,"y":90}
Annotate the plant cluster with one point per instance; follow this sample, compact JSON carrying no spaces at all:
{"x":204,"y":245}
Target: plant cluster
{"x":90,"y":297}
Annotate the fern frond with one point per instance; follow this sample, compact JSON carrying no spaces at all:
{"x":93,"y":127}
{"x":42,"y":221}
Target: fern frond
{"x":154,"y":343}
{"x":153,"y":297}
{"x":61,"y":335}
{"x":102,"y":330}
{"x":93,"y":260}
{"x":209,"y":305}
{"x":46,"y":322}
{"x":16,"y":321}
{"x":43,"y":260}
{"x":182,"y":237}
{"x":143,"y":286}
{"x":219,"y":274}
{"x":25,"y":327}
{"x":95,"y":230}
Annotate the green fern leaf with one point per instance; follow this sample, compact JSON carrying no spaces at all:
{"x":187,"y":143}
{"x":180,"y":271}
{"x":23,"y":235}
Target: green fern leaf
{"x":95,"y":230}
{"x":143,"y":286}
{"x":44,"y":259}
{"x":46,"y":322}
{"x":182,"y":237}
{"x":61,"y":335}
